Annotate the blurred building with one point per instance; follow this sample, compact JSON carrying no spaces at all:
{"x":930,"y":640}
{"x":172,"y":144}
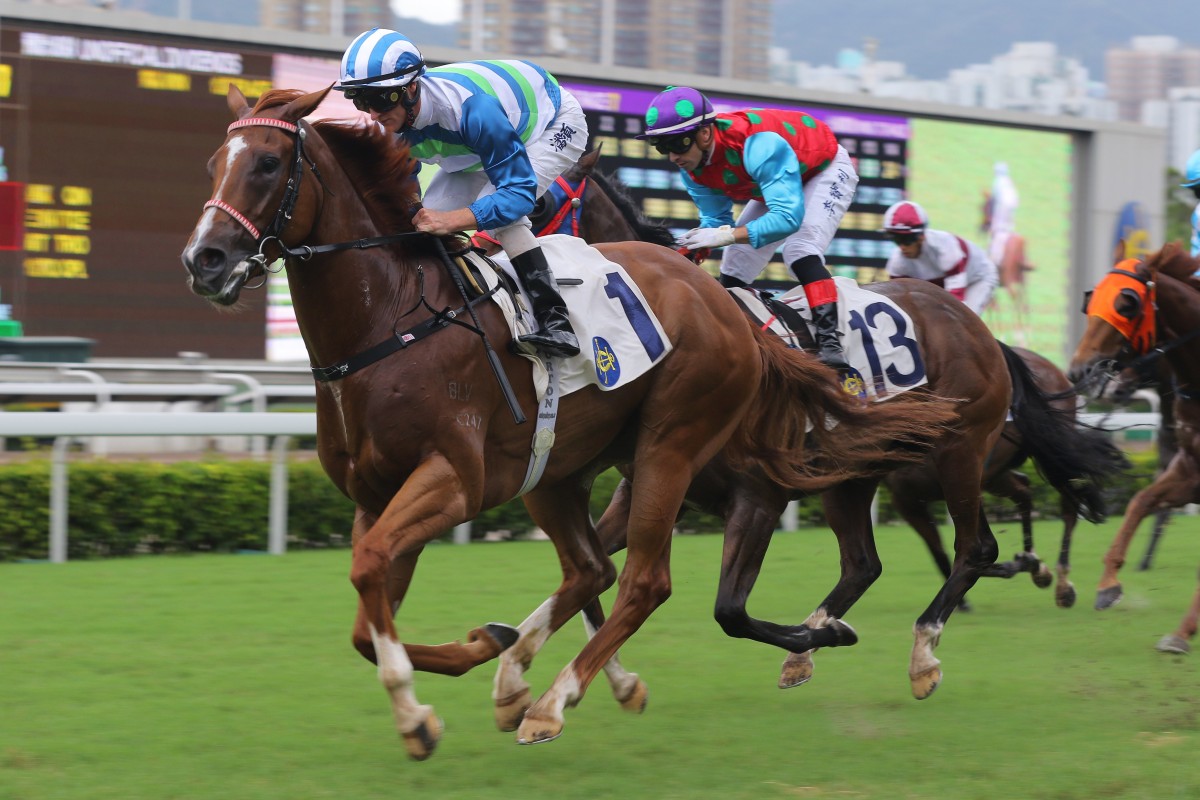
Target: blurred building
{"x":725,"y":38}
{"x":1147,"y":70}
{"x":336,"y":17}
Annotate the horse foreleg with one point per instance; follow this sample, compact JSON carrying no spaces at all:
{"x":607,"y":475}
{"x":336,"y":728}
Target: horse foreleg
{"x":431,"y":501}
{"x":847,"y":512}
{"x":1177,"y":642}
{"x":1174,"y":487}
{"x":561,"y":511}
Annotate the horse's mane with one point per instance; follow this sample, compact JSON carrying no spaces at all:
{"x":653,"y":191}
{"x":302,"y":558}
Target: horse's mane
{"x":1173,"y":260}
{"x":376,"y":162}
{"x":647,"y":231}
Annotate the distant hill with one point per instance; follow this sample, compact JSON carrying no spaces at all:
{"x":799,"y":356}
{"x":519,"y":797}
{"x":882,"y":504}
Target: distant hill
{"x":933,"y":37}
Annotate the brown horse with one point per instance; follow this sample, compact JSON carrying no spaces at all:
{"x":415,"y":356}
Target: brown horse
{"x":1149,"y":309}
{"x":1076,"y":462}
{"x":419,"y":424}
{"x":962,"y":359}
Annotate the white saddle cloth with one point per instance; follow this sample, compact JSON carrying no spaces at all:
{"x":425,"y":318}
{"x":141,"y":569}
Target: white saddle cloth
{"x":878,"y":336}
{"x":620,"y":338}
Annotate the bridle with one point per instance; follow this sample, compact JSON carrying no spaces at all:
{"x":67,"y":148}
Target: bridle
{"x":569,"y":199}
{"x":291,"y":193}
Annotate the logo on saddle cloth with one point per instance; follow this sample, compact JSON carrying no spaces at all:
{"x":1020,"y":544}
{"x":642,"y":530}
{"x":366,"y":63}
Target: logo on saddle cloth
{"x":608,"y":367}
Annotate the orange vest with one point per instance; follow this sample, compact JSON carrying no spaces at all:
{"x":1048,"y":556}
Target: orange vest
{"x":811,"y":140}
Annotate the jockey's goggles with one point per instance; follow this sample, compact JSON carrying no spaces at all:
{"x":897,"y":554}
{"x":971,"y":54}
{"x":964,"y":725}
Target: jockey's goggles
{"x":904,"y":238}
{"x":380,"y":101}
{"x":676,"y":145}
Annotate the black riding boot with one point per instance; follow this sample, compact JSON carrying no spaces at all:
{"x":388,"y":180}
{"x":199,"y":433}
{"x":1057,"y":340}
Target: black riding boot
{"x":554,"y":335}
{"x":829,"y":347}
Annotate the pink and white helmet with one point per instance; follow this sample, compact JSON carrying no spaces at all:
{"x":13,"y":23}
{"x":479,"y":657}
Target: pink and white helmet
{"x":905,"y":217}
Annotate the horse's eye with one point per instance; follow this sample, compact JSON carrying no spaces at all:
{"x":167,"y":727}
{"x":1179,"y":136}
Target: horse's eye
{"x":269,"y":164}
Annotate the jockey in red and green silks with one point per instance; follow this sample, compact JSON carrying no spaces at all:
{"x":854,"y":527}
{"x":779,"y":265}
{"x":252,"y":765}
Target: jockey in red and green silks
{"x":787,"y":167}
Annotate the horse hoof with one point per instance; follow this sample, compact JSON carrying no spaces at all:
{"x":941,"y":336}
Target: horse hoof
{"x":505,"y":635}
{"x":422,"y":740}
{"x":636,"y":700}
{"x":537,"y":731}
{"x":1107,"y":598}
{"x":511,"y":710}
{"x":797,"y":670}
{"x":1173,"y":644}
{"x":924,"y":683}
{"x":1042,"y":578}
{"x":1066,"y":596}
{"x":965,"y":607}
{"x":844,"y":635}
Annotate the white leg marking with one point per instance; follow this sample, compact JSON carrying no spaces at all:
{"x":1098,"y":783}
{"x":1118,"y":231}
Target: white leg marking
{"x":924,"y":641}
{"x":396,"y":675}
{"x":622,"y":682}
{"x":535,"y":630}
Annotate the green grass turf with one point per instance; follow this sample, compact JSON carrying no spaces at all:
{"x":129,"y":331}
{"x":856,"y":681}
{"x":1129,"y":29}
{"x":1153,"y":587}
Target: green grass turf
{"x":233,"y":677}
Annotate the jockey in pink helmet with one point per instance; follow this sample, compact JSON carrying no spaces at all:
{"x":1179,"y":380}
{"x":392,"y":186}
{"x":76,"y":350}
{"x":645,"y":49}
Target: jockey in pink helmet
{"x":796,"y":182}
{"x":958,"y":266}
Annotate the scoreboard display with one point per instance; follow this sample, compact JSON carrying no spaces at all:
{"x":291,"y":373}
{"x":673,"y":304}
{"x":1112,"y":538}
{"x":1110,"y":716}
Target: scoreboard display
{"x":108,"y":136}
{"x":104,"y":137}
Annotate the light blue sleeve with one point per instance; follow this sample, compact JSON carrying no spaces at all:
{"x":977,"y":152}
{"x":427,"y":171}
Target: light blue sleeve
{"x":716,"y":209}
{"x":772,"y":164}
{"x":1196,"y":231}
{"x":488,"y":133}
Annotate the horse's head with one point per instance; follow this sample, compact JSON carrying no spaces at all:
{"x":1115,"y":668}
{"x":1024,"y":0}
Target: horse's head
{"x":1121,"y":324}
{"x":258,"y":195}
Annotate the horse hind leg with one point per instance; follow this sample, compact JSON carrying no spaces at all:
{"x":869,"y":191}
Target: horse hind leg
{"x":1014,"y":486}
{"x":561,"y":511}
{"x":975,"y":549}
{"x":1064,"y":590}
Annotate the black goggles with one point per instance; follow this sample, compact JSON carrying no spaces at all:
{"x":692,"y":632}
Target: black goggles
{"x":380,"y":101}
{"x":676,"y":145}
{"x":905,"y":238}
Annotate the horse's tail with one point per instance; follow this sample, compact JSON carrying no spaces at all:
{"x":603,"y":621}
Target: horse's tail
{"x":847,"y":439}
{"x":1077,"y":462}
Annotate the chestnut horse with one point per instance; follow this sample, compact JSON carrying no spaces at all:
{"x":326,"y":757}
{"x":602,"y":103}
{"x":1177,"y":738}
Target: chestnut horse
{"x":962,"y":359}
{"x":418,"y":421}
{"x":1149,"y":309}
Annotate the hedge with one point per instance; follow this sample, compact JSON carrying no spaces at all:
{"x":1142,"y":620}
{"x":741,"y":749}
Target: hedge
{"x":125,"y":508}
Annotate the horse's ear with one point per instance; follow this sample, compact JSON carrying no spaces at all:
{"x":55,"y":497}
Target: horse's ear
{"x":237,"y":102}
{"x":1118,"y":254}
{"x":304,"y":105}
{"x":587,"y":162}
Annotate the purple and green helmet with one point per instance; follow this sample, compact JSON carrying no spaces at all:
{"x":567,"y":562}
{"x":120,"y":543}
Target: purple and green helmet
{"x":675,"y":111}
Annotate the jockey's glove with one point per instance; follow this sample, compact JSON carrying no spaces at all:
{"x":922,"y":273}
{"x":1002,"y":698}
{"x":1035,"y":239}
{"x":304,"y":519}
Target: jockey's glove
{"x":698,"y":238}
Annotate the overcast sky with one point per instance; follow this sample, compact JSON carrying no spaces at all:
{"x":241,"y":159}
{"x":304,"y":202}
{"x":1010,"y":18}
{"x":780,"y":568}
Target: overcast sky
{"x":438,"y":12}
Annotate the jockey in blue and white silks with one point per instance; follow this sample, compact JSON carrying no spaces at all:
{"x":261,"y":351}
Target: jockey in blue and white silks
{"x":501,"y":133}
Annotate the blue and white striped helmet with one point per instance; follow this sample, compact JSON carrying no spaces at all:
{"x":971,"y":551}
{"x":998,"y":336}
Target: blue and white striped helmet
{"x":380,"y":58}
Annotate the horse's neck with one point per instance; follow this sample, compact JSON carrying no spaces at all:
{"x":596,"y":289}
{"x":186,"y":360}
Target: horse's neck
{"x":1179,"y":311}
{"x":348,"y":300}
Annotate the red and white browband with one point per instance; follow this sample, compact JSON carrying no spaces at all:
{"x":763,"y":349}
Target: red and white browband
{"x":247,"y":122}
